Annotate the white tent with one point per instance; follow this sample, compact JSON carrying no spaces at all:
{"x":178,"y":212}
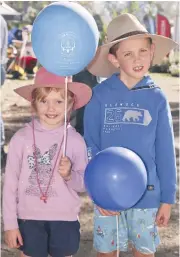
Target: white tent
{"x":7,"y":10}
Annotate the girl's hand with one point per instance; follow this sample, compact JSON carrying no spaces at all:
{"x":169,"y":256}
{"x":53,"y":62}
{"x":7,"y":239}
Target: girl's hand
{"x":13,"y":238}
{"x":65,"y":168}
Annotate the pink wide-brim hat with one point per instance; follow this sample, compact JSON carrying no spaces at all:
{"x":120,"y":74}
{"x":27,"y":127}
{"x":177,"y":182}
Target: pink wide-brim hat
{"x":81,"y":91}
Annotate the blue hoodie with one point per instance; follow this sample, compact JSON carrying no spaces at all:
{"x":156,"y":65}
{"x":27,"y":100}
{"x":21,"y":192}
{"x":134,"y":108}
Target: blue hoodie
{"x":138,"y":119}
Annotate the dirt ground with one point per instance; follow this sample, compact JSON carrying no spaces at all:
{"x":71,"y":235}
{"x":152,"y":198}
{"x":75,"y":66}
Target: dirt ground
{"x":16,"y":112}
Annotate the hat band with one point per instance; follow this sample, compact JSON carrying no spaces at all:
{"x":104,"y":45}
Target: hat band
{"x":132,"y":33}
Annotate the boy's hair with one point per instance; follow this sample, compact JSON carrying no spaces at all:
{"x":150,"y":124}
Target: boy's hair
{"x":115,"y":47}
{"x":40,"y":94}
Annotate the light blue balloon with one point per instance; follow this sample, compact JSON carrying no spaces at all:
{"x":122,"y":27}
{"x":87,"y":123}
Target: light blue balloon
{"x":65,"y":38}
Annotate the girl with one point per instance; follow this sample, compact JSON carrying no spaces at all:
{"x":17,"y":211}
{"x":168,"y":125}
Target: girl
{"x":40,"y":200}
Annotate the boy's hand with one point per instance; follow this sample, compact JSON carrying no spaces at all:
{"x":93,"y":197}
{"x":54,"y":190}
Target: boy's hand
{"x":65,"y":168}
{"x":13,"y":238}
{"x":163,"y":215}
{"x":104,"y":212}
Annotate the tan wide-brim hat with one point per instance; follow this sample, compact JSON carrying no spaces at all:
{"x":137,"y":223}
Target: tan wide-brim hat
{"x":124,"y":27}
{"x":82,"y":92}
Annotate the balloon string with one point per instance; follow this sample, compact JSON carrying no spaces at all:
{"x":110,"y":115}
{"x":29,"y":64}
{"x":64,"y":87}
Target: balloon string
{"x":117,"y":227}
{"x":65,"y":117}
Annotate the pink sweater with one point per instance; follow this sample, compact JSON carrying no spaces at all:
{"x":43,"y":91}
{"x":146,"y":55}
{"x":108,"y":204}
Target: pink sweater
{"x":21,"y":195}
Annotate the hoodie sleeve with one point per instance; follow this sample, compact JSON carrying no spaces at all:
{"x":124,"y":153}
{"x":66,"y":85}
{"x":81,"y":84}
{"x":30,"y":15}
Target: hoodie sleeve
{"x":79,"y":163}
{"x":165,"y":154}
{"x":92,"y":126}
{"x":10,"y":187}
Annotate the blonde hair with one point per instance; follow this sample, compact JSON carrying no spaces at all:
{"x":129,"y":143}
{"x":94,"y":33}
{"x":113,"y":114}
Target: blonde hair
{"x":40,"y":94}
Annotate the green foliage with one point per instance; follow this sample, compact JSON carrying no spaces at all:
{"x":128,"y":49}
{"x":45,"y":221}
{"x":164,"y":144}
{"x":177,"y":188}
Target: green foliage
{"x":133,"y":7}
{"x":174,"y":63}
{"x":28,"y":9}
{"x":99,"y":21}
{"x":175,"y":69}
{"x":88,"y":5}
{"x":163,"y":67}
{"x":103,"y":35}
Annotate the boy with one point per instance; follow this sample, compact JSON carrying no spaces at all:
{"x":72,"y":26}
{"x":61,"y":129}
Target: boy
{"x":130,"y":111}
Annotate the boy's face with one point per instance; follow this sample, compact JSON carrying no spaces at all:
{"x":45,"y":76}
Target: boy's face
{"x":50,"y":110}
{"x":133,"y":57}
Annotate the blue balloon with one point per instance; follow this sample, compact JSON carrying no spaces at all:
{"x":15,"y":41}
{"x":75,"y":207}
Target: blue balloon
{"x":116,"y":179}
{"x":64,"y":38}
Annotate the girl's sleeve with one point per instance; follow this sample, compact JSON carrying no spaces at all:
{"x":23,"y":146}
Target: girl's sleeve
{"x":79,"y":163}
{"x":10,"y":187}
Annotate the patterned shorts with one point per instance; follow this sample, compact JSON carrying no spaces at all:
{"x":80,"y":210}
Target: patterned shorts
{"x":135,"y":226}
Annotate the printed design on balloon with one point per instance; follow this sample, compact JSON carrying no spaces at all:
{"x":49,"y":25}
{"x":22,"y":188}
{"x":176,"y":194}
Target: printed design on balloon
{"x":68,"y":43}
{"x":69,"y":46}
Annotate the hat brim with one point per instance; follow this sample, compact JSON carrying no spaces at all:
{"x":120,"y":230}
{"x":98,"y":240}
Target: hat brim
{"x":101,"y":66}
{"x":82,"y":92}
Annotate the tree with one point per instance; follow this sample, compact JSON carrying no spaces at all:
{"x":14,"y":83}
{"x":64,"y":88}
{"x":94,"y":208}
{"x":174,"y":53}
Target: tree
{"x":28,"y":9}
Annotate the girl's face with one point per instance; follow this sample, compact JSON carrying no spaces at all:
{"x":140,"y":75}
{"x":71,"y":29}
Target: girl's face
{"x":51,"y":109}
{"x":133,"y":57}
